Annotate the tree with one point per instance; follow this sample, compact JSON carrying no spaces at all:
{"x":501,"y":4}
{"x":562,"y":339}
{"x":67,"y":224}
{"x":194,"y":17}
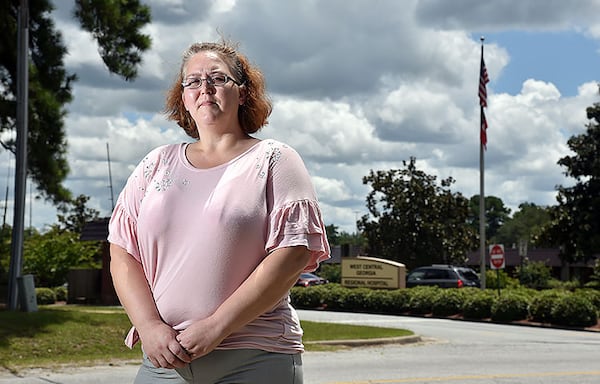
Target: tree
{"x":496,"y":214}
{"x":5,"y":240}
{"x":355,"y":239}
{"x":413,"y":220}
{"x":575,"y":222}
{"x":333,"y":234}
{"x":335,"y":237}
{"x":115,"y":24}
{"x":526,"y":224}
{"x":51,"y":255}
{"x":74,"y":214}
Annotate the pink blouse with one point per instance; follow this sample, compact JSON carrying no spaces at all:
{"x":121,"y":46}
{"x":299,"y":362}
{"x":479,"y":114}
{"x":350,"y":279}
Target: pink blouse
{"x":199,"y":233}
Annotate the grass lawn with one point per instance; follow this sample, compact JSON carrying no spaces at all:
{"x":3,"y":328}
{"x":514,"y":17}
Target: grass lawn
{"x":85,"y":335}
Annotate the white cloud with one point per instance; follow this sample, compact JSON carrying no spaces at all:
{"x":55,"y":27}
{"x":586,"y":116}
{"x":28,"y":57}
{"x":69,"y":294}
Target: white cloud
{"x":356,"y":86}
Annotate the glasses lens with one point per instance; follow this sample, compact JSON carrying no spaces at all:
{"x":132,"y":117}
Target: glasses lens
{"x":192,"y":83}
{"x":218,"y":79}
{"x":196,"y":82}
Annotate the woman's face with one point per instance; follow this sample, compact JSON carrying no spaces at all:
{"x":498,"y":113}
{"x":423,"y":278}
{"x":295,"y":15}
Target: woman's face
{"x":211,"y":103}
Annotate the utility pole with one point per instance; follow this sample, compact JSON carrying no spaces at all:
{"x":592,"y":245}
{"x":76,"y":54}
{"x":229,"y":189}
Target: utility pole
{"x":110,"y":184}
{"x":16,"y":256}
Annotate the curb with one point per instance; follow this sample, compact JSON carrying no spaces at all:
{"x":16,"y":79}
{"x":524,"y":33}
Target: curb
{"x":368,"y":342}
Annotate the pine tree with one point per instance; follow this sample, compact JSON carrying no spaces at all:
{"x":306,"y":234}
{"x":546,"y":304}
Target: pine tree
{"x":114,"y":24}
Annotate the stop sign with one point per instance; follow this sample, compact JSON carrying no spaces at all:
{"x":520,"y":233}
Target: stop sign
{"x":497,"y":256}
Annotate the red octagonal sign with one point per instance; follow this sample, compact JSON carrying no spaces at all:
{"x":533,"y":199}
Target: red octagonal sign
{"x":497,"y":256}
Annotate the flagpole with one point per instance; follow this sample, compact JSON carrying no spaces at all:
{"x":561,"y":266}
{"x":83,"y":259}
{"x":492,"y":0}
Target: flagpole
{"x":481,"y":184}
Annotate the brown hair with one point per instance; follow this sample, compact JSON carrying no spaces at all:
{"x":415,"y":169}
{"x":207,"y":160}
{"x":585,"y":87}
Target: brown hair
{"x":257,"y":106}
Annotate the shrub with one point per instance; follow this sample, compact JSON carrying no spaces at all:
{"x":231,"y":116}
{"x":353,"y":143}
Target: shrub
{"x":448,"y":302}
{"x":334,"y":295}
{"x":355,"y":299}
{"x":570,"y":285}
{"x":574,"y":310}
{"x":492,"y":277}
{"x":542,"y":304}
{"x":478,"y":305}
{"x":61,"y":293}
{"x":592,"y":295}
{"x":595,"y":277}
{"x":421,"y":299}
{"x":534,"y":274}
{"x":45,"y":296}
{"x":331,"y":272}
{"x":400,"y":300}
{"x":378,"y":301}
{"x":510,"y":307}
{"x":308,"y":297}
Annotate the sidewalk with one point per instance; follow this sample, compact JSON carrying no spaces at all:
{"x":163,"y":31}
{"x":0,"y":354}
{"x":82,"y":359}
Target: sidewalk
{"x":116,"y":374}
{"x":125,"y":373}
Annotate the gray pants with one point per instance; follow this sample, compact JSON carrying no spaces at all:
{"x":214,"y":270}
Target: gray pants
{"x":239,"y":366}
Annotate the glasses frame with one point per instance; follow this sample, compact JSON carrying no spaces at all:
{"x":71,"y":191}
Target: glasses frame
{"x":196,"y":82}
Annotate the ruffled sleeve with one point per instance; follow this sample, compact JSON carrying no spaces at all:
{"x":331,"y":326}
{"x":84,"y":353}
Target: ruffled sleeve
{"x":122,"y":230}
{"x":294,"y":216}
{"x":299,"y":223}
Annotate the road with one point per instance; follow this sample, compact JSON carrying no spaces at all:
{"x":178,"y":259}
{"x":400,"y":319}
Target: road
{"x":458,"y":352}
{"x":453,"y":352}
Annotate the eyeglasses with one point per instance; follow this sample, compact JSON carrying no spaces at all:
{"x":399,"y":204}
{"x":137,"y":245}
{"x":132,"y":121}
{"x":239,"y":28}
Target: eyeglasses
{"x":217,"y":80}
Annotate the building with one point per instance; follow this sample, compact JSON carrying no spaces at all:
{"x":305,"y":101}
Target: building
{"x":548,"y":256}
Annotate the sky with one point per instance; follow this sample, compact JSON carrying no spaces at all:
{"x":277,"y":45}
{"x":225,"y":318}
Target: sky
{"x":356,"y":85}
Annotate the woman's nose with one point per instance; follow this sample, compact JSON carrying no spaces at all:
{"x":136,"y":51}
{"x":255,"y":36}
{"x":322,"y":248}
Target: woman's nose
{"x":207,"y":88}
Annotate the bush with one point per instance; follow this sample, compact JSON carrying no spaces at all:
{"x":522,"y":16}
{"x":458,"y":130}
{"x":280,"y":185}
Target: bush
{"x":421,"y":299}
{"x":534,"y":274}
{"x":478,"y":305}
{"x":542,"y":305}
{"x":570,"y":285}
{"x":308,"y":297}
{"x":594,"y":284}
{"x":400,"y":300}
{"x":491,"y":279}
{"x":45,"y":296}
{"x":378,"y":301}
{"x":355,"y":299}
{"x":61,"y":293}
{"x":574,"y":310}
{"x":559,"y":306}
{"x":331,"y":272}
{"x":334,"y":295}
{"x":510,"y":307}
{"x":592,"y":295}
{"x":595,"y":277}
{"x":448,"y":302}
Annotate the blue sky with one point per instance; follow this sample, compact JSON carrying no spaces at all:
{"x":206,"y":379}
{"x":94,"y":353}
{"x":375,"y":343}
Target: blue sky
{"x":565,"y":58}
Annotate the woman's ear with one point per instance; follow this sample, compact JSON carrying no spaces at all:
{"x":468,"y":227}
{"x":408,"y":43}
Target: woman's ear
{"x":243,"y":94}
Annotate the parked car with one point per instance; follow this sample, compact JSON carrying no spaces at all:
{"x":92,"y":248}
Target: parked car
{"x":307,"y":279}
{"x":444,"y":276}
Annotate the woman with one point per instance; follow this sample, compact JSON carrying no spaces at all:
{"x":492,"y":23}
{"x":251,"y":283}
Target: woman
{"x":208,"y":237}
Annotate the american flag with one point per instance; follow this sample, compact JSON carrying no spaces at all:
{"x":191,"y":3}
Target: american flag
{"x":483,"y":80}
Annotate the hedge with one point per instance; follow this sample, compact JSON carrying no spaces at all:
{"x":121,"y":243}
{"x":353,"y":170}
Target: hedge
{"x":580,"y":308}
